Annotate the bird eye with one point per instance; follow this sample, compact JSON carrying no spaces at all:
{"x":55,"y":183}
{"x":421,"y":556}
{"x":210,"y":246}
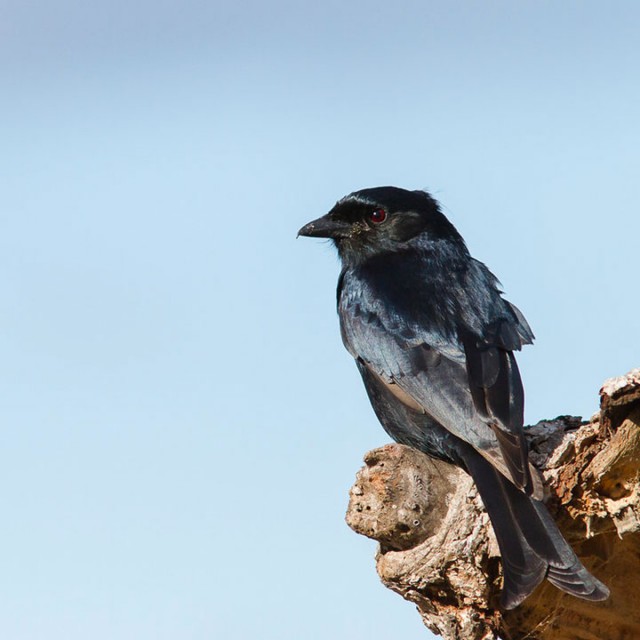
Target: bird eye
{"x":377,"y":216}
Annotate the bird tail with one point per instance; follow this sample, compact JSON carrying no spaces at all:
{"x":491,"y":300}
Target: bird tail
{"x":531,"y":545}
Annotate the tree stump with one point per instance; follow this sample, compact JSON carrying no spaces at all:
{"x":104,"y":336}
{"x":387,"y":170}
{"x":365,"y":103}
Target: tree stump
{"x":437,"y":548}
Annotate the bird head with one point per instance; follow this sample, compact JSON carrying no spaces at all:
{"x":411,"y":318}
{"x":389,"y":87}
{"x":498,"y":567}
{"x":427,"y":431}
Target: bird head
{"x":382,"y":219}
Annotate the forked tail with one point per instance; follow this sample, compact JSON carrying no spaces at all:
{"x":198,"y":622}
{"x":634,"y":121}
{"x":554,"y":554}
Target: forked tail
{"x":530,"y":542}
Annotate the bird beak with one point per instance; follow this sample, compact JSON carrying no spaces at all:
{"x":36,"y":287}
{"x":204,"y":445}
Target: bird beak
{"x":326,"y":227}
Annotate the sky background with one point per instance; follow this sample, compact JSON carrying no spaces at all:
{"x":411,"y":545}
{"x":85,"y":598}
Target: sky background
{"x":180,"y":424}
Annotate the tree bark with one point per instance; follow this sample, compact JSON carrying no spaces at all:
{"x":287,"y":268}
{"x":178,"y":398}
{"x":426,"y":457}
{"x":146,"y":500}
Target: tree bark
{"x":437,"y":547}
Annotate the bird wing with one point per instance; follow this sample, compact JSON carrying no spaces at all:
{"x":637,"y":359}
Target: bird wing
{"x":466,"y":378}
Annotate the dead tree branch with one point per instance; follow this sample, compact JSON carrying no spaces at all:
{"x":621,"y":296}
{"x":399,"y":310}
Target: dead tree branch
{"x":437,"y":547}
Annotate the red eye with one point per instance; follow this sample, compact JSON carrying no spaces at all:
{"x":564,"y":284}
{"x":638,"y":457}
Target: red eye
{"x":377,"y":216}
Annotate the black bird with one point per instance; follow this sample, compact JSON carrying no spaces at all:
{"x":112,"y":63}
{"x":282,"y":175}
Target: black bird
{"x":434,"y":341}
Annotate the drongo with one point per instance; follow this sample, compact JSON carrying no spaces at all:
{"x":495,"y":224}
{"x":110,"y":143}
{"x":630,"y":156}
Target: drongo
{"x":434,"y":342}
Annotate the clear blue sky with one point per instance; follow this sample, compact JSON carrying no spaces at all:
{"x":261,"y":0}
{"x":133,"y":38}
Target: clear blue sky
{"x":180,"y":423}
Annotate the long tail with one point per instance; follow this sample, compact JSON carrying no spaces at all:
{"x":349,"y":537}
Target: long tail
{"x":531,"y":544}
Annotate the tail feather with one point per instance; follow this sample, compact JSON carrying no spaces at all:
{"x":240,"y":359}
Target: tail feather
{"x":569,"y":574}
{"x":530,"y":542}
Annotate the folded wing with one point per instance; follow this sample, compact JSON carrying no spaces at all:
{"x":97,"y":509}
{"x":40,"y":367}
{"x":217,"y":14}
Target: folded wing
{"x":465,"y":377}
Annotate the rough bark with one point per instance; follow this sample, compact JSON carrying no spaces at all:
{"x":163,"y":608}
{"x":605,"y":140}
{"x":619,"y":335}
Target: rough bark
{"x":437,"y":547}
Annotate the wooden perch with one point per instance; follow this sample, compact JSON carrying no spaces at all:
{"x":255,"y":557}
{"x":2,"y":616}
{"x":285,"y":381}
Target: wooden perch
{"x":437,"y":547}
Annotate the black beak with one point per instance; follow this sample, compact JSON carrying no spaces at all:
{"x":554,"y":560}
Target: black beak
{"x":325,"y":227}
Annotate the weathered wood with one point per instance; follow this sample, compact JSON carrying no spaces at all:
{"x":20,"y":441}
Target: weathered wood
{"x":437,"y":547}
